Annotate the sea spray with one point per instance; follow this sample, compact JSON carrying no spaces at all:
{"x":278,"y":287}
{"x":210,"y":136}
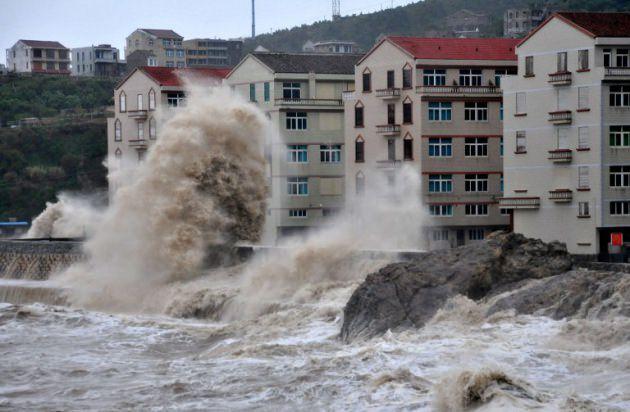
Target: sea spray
{"x":71,"y":216}
{"x":202,"y":182}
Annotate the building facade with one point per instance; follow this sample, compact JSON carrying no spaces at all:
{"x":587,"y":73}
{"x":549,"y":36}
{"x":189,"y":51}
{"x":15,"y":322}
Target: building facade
{"x":38,"y":56}
{"x":142,"y":101}
{"x":434,"y":104}
{"x":567,"y":128}
{"x":212,"y":52}
{"x":165,"y":47}
{"x":302,"y":96}
{"x":97,"y":61}
{"x":519,"y":22}
{"x":466,"y":23}
{"x":330,"y":46}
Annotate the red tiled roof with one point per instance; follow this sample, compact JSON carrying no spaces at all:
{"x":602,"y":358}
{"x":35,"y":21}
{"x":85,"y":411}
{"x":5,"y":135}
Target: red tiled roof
{"x":163,"y":34}
{"x":599,"y":24}
{"x":43,"y":44}
{"x":171,"y":76}
{"x":457,"y":49}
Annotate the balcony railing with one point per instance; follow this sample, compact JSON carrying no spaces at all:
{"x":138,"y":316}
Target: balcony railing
{"x":519,"y":202}
{"x":388,"y":129}
{"x":137,"y":114}
{"x":561,"y":195}
{"x":309,"y":102}
{"x":388,"y":164}
{"x":465,"y":90}
{"x":350,"y":95}
{"x":139,"y":143}
{"x":388,"y":93}
{"x":617,"y":71}
{"x":561,"y":155}
{"x":561,"y":117}
{"x":560,"y":78}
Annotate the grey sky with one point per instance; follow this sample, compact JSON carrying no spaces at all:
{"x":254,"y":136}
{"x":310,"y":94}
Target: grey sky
{"x":77,"y":23}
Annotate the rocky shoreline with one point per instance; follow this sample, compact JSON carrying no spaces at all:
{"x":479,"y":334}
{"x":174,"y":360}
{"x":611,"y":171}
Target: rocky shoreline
{"x":507,"y":272}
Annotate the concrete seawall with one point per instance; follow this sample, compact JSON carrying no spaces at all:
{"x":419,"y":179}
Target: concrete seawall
{"x":35,"y":260}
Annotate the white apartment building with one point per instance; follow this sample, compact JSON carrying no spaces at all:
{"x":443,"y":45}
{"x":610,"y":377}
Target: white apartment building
{"x":38,"y":56}
{"x":567,"y":130}
{"x":97,"y":61}
{"x":301,"y":94}
{"x":435,"y":104}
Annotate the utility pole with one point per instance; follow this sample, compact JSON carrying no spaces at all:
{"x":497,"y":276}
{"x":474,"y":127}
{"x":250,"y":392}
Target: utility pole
{"x":336,"y":9}
{"x":253,"y":19}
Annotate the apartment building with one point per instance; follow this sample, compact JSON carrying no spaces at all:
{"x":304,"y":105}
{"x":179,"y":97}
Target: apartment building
{"x":519,"y":22}
{"x":213,"y":52}
{"x":330,"y":46}
{"x":164,"y":47}
{"x":434,"y":104}
{"x":301,"y":95}
{"x":567,"y":129}
{"x":97,"y":61}
{"x":142,"y":100}
{"x":38,"y":56}
{"x":466,"y":23}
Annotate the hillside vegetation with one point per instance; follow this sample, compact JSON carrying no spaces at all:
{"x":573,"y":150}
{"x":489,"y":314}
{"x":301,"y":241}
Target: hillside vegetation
{"x":415,"y":19}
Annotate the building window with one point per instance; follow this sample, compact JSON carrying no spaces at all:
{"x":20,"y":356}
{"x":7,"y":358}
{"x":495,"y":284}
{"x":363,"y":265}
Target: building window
{"x":152,"y":129}
{"x":561,"y":60}
{"x":501,"y":147}
{"x":139,"y":102}
{"x":619,"y":176}
{"x":359,"y":182}
{"x":140,"y":130}
{"x":439,"y":235}
{"x":504,"y":212}
{"x":583,"y":180}
{"x":623,"y":59}
{"x":118,"y":154}
{"x":521,"y":103}
{"x":391,"y":79}
{"x":498,"y":73}
{"x":620,"y":208}
{"x":476,"y":111}
{"x":298,"y":213}
{"x":501,"y":185}
{"x":583,"y":209}
{"x":407,"y":112}
{"x":501,"y":111}
{"x":583,"y":98}
{"x":358,"y":115}
{"x":122,"y":102}
{"x":476,"y":234}
{"x":476,"y":182}
{"x":175,"y":99}
{"x":170,"y":53}
{"x":391,"y":114}
{"x":180,"y":53}
{"x":583,"y":59}
{"x":619,"y":136}
{"x":476,"y":209}
{"x":408,"y":148}
{"x":607,"y":57}
{"x":330,"y":153}
{"x":252,"y":92}
{"x":529,"y":66}
{"x":440,"y":111}
{"x":117,"y":131}
{"x":583,"y":138}
{"x":297,"y":186}
{"x":440,"y":147}
{"x":296,"y":121}
{"x":434,"y":77}
{"x":521,"y":142}
{"x":441,"y":210}
{"x":170,"y":63}
{"x":266,"y":91}
{"x":476,"y":147}
{"x":470,"y":77}
{"x":406,"y":78}
{"x":359,"y":150}
{"x":291,"y":90}
{"x":297,"y":153}
{"x":367,"y":81}
{"x":151,"y":99}
{"x":620,"y":96}
{"x":440,"y":183}
{"x":181,"y":65}
{"x":152,"y":62}
{"x":563,"y":138}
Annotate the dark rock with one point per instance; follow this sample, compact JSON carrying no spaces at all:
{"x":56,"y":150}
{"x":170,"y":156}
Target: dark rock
{"x":409,"y":293}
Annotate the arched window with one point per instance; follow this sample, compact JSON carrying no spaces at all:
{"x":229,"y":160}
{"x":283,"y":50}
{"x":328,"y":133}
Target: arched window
{"x":407,"y":111}
{"x":152,"y":129}
{"x":367,"y":80}
{"x":117,"y":131}
{"x":359,"y":181}
{"x":358,"y":115}
{"x":118,"y":153}
{"x":408,"y":147}
{"x":359,"y":150}
{"x":122,"y":102}
{"x":407,"y":74}
{"x":151,"y":99}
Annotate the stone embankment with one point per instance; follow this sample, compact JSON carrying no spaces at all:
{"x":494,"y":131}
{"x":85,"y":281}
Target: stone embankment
{"x":507,"y":271}
{"x":35,"y":260}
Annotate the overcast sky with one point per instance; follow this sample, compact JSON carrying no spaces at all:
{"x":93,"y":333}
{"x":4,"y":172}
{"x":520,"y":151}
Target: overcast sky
{"x":78,"y":23}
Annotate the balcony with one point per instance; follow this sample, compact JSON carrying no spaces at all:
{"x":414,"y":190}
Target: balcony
{"x":349,"y":95}
{"x":472,"y":91}
{"x":561,"y":117}
{"x":388,"y":129}
{"x":139,"y":144}
{"x":139,"y":115}
{"x":388,"y":93}
{"x":560,"y":78}
{"x":622,"y":72}
{"x":561,"y":195}
{"x":519,"y":202}
{"x":309,"y":102}
{"x":388,"y":164}
{"x":561,"y":155}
